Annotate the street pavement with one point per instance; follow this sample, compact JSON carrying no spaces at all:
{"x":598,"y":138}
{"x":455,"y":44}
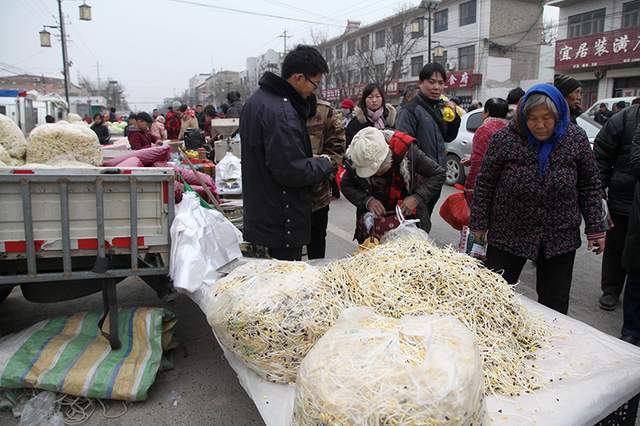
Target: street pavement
{"x":202,"y":389}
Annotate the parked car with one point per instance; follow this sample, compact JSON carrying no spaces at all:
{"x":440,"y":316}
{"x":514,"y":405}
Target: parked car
{"x":609,"y":102}
{"x":460,"y":147}
{"x":590,"y":126}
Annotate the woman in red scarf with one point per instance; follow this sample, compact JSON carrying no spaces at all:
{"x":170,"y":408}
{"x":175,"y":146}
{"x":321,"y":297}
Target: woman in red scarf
{"x":385,"y":170}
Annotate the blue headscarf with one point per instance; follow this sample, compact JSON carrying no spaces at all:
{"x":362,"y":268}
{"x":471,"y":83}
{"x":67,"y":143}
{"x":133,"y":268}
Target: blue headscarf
{"x":546,"y":147}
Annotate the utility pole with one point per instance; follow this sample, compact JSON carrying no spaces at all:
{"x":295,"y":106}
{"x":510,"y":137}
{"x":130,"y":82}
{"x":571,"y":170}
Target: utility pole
{"x":284,"y":36}
{"x":98,"y":78}
{"x":65,"y":63}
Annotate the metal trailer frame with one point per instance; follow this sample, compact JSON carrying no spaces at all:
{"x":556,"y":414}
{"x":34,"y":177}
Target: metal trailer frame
{"x":101,"y":270}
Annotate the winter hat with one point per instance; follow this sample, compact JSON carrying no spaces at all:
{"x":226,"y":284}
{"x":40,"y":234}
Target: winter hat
{"x":160,"y":119}
{"x":367,"y":151}
{"x":143,"y":116}
{"x":565,"y":84}
{"x":347,"y":104}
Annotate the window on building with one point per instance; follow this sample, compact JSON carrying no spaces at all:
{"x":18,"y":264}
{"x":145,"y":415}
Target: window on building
{"x":587,"y":23}
{"x":417,"y":28}
{"x":441,"y":21}
{"x":416,"y":65}
{"x":442,"y":60}
{"x":351,"y":47}
{"x":397,"y":34}
{"x":364,"y":43}
{"x":339,"y":51}
{"x":396,"y":69}
{"x":380,"y":39}
{"x":631,"y":14}
{"x":466,"y":57}
{"x":468,"y":12}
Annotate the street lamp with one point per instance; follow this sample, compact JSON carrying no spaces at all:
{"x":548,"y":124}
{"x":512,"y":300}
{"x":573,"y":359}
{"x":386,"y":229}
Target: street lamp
{"x":85,"y":12}
{"x":430,"y":6}
{"x":45,"y":41}
{"x":45,"y":38}
{"x":438,"y":51}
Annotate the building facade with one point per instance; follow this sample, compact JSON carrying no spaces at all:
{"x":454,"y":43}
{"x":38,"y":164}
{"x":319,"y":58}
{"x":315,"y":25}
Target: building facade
{"x":39,"y":83}
{"x":489,"y":47}
{"x":213,"y":90}
{"x":256,"y":66}
{"x":599,"y":44}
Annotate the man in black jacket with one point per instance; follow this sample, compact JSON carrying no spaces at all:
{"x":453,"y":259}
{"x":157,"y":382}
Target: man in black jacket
{"x":278,"y":166}
{"x":631,"y":254}
{"x":612,"y":148}
{"x":422,"y":118}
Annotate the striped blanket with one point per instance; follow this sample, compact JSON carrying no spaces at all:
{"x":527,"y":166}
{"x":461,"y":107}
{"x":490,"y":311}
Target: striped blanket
{"x":69,"y":355}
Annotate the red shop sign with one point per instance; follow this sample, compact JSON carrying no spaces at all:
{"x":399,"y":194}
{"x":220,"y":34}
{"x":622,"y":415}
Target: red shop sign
{"x":610,"y":48}
{"x":461,"y":79}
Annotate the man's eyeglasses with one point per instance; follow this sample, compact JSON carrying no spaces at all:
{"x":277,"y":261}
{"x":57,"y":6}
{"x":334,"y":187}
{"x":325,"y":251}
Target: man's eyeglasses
{"x":315,"y":85}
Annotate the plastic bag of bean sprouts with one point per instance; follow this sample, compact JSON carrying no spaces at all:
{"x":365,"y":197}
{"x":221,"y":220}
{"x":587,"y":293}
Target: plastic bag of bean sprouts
{"x":373,"y":370}
{"x":52,"y":141}
{"x":270,"y":313}
{"x":12,"y":139}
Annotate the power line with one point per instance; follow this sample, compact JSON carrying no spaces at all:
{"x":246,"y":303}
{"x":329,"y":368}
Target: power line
{"x":249,"y":12}
{"x":311,"y":12}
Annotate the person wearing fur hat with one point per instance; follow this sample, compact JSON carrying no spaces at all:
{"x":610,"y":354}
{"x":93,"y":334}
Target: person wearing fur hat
{"x":385,"y":169}
{"x":371,"y":111}
{"x":571,"y":89}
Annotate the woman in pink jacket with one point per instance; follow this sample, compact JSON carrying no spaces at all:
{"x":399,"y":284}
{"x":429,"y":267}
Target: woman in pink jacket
{"x":157,"y":128}
{"x":495,"y":114}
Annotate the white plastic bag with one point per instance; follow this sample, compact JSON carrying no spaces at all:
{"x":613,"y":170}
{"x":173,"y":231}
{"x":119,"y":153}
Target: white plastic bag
{"x":229,"y":175}
{"x":369,"y":370}
{"x":202,"y":241}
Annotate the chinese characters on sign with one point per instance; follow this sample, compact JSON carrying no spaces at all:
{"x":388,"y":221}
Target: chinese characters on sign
{"x":461,"y":79}
{"x":613,"y":47}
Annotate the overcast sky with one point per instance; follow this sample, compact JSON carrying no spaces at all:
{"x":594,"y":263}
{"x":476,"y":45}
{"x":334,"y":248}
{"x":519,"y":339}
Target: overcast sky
{"x":152,"y":47}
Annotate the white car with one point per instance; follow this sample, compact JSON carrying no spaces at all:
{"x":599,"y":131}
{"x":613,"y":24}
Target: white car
{"x":591,"y":112}
{"x":460,"y":147}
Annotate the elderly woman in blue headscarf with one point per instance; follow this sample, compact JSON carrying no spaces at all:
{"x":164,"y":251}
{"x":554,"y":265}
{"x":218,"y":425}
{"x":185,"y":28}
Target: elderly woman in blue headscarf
{"x":538,"y":179}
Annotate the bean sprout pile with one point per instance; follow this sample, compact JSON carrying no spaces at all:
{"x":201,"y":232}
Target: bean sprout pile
{"x":271,"y":313}
{"x":411,"y":276}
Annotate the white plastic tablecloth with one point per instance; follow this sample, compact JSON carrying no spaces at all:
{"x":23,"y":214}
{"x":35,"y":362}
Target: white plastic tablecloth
{"x":588,"y":374}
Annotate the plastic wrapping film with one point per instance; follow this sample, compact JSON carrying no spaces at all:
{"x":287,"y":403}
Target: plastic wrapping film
{"x":271,"y":313}
{"x":373,"y":370}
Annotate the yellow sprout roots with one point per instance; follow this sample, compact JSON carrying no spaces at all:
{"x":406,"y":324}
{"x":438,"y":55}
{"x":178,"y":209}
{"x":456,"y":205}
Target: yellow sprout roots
{"x":270,"y":314}
{"x":373,"y":370}
{"x":411,"y":276}
{"x":72,"y":142}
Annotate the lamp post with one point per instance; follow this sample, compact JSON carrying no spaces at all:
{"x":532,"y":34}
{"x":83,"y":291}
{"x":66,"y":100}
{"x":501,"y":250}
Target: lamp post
{"x":45,"y":41}
{"x":430,"y":6}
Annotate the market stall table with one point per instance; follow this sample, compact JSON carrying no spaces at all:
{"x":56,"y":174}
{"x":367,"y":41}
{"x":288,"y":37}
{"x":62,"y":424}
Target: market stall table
{"x":588,"y":375}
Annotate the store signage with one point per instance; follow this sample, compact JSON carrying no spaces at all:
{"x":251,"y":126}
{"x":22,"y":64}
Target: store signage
{"x":461,"y":80}
{"x":609,"y":48}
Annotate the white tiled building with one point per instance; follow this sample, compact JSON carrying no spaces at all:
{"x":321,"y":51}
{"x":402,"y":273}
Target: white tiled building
{"x":599,"y":44}
{"x":491,"y":46}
